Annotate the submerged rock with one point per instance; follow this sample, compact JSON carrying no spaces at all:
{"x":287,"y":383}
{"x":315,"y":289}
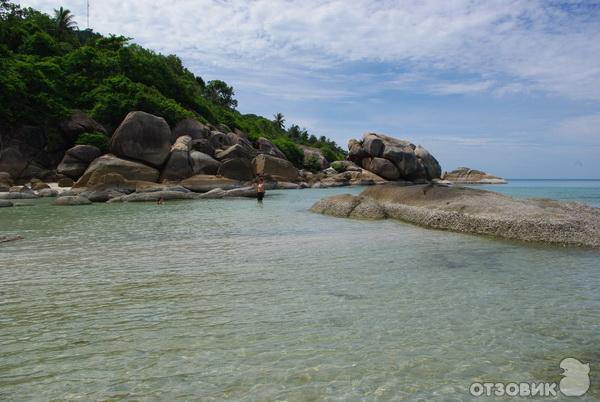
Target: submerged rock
{"x":71,"y":200}
{"x":7,"y":238}
{"x":155,"y":196}
{"x":473,"y":211}
{"x":5,"y":203}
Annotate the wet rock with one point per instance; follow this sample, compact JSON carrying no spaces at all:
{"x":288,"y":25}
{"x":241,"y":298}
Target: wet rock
{"x":5,"y":203}
{"x":205,"y":183}
{"x":155,"y":196}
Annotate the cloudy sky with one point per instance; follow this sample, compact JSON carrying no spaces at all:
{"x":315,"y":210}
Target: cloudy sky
{"x":511,"y":87}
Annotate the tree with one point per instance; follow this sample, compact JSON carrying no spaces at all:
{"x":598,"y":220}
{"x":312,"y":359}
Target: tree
{"x":279,"y":120}
{"x":220,"y":93}
{"x":64,"y":20}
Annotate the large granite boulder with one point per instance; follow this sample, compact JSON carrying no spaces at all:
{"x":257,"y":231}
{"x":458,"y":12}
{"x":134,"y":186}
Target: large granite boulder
{"x":236,"y":169}
{"x":106,"y":164}
{"x":204,"y":183}
{"x":203,"y":163}
{"x":192,"y":128}
{"x":78,"y":124}
{"x":276,"y":168}
{"x":143,"y":137}
{"x":219,"y":140}
{"x":381,"y":167}
{"x":314,"y":156}
{"x":236,"y":151}
{"x":411,"y":162}
{"x":178,"y":166}
{"x":464,"y":175}
{"x":203,"y":145}
{"x":265,"y":146}
{"x":77,"y":159}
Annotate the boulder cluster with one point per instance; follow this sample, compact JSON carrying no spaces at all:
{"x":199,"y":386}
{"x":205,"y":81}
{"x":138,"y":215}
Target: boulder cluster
{"x":149,"y":160}
{"x":393,"y":159}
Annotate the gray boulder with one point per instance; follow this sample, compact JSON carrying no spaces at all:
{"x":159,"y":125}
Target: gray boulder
{"x":236,"y":169}
{"x":71,"y":200}
{"x":275,"y":168}
{"x":85,"y":153}
{"x":203,"y":163}
{"x":219,"y":140}
{"x":48,"y":192}
{"x":72,"y":167}
{"x":236,"y":151}
{"x":381,"y":167}
{"x":106,"y":164}
{"x":143,"y":137}
{"x":432,"y":167}
{"x":190,"y":127}
{"x":203,"y":145}
{"x":266,"y":147}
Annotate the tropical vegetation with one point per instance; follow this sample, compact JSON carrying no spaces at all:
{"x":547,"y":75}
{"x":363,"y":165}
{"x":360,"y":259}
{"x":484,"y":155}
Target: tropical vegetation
{"x":49,"y":67}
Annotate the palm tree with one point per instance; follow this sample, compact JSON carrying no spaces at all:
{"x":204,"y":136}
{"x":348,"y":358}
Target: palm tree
{"x":279,"y":120}
{"x":64,"y":20}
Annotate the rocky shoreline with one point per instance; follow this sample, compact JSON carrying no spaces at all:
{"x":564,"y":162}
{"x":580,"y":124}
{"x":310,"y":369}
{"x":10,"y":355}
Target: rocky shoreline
{"x":473,"y":211}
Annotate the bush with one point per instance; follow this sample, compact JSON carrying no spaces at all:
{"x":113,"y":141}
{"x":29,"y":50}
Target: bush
{"x":96,"y":139}
{"x":292,"y":152}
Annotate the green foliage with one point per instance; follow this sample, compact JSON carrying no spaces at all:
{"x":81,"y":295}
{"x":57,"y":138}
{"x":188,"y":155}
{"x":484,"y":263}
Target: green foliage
{"x":312,"y":163}
{"x":292,"y":152}
{"x":98,"y":140}
{"x":337,"y":165}
{"x":48,"y":67}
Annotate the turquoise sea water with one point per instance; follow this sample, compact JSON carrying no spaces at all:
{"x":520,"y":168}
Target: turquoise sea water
{"x":228,"y":299}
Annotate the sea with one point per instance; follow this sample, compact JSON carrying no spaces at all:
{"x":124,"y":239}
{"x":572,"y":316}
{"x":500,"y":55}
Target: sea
{"x":236,"y":300}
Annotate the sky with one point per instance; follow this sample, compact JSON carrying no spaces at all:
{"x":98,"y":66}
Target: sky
{"x":511,"y":87}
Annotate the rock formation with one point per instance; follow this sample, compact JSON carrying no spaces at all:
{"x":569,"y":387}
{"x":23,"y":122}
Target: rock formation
{"x":464,"y":175}
{"x":393,"y":159}
{"x":472,"y":211}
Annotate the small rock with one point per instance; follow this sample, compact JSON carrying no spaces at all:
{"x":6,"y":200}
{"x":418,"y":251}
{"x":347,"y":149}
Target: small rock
{"x":71,"y":200}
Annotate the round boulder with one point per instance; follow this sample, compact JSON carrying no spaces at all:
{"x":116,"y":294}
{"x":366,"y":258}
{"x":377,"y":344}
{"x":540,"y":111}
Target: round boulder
{"x":203,"y":163}
{"x":144,"y":137}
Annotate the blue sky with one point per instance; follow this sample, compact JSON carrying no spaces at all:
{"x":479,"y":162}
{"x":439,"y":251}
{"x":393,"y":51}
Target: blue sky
{"x":511,"y":87}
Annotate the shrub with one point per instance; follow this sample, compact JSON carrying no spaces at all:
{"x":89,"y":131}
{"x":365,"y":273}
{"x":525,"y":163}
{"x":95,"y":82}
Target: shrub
{"x":96,"y":139}
{"x":292,"y":152}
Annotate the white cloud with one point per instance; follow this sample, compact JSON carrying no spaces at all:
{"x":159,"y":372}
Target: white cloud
{"x":522,"y":45}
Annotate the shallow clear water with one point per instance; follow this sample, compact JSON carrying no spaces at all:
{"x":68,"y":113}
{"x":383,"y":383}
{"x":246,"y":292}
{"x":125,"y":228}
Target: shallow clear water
{"x":226,"y":299}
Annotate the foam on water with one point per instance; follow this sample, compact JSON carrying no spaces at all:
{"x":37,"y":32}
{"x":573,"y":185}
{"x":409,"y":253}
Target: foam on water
{"x":227,"y":299}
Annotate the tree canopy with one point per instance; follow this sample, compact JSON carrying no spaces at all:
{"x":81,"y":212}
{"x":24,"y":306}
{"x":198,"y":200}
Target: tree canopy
{"x":48,"y":67}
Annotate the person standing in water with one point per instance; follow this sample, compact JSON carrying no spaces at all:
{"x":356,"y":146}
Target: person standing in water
{"x":260,"y":189}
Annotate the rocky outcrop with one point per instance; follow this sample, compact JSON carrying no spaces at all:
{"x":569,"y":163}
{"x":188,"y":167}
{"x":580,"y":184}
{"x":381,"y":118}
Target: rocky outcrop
{"x":274,"y":168}
{"x":464,"y":175}
{"x":474,"y":211}
{"x":12,"y":162}
{"x":143,"y":137}
{"x":203,"y":145}
{"x":314,"y":158}
{"x":236,"y":151}
{"x":77,"y":160}
{"x":205,"y":183}
{"x":106,"y":164}
{"x":393,"y":159}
